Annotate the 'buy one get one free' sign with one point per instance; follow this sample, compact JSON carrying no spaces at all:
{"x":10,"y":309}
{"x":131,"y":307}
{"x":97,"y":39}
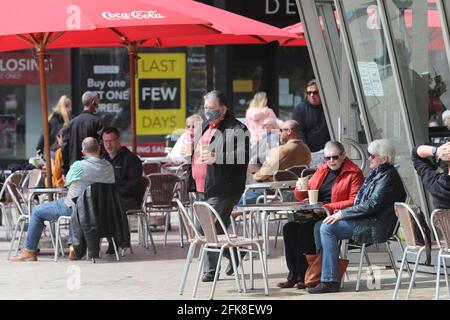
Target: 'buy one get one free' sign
{"x":161,"y":93}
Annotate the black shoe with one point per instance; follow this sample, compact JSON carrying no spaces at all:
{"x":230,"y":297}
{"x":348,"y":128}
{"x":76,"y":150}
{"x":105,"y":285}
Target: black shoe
{"x":110,"y":250}
{"x":209,"y":276}
{"x":325,"y":287}
{"x":230,"y":270}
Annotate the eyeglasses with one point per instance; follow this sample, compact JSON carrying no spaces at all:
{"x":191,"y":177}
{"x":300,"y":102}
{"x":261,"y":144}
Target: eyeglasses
{"x":331,"y":157}
{"x":312,"y":93}
{"x":369,"y":155}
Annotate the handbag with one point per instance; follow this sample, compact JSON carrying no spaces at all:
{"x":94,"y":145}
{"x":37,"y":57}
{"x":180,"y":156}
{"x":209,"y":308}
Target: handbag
{"x":312,"y":275}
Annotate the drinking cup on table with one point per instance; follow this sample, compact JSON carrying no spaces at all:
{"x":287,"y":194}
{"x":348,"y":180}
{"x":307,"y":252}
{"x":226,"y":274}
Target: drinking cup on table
{"x":313,"y":196}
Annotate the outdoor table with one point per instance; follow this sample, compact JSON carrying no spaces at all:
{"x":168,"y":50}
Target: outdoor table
{"x":263,"y":210}
{"x":162,"y":159}
{"x":49,"y":191}
{"x":277,"y":185}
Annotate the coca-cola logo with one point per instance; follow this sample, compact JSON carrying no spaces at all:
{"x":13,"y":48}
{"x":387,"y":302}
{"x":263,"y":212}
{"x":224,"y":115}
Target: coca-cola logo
{"x":139,"y":14}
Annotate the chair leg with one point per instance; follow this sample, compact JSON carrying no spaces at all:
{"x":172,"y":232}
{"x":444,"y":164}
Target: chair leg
{"x":241,"y":263}
{"x":148,"y":233}
{"x":264,"y":269}
{"x":20,"y":236}
{"x":57,"y":242}
{"x":403,"y":249}
{"x":197,"y":277}
{"x":187,"y":264}
{"x":416,"y":264}
{"x":399,"y":276}
{"x":13,"y":239}
{"x":363,"y":248}
{"x":369,"y":265}
{"x":236,"y":271}
{"x":278,"y":232}
{"x":181,"y":230}
{"x":438,"y":275}
{"x":166,"y":228}
{"x":445,"y":274}
{"x":216,"y":275}
{"x":391,"y":258}
{"x":115,"y":248}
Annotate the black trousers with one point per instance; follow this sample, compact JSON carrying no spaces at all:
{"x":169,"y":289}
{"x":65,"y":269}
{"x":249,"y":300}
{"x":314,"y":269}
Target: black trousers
{"x":298,"y":240}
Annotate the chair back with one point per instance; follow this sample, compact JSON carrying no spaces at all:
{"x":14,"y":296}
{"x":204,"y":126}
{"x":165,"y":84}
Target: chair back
{"x":151,"y":167}
{"x":284,"y":175}
{"x":407,"y":216}
{"x":297,"y":170}
{"x":17,"y":198}
{"x":32,"y":179}
{"x":16,"y":178}
{"x":143,"y":190}
{"x":207,"y":217}
{"x":162,"y":188}
{"x":308,"y":172}
{"x":440,"y":221}
{"x":189,"y":225}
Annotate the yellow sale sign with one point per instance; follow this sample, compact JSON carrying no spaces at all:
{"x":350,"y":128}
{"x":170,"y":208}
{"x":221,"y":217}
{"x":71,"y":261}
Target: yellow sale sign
{"x":161,"y":93}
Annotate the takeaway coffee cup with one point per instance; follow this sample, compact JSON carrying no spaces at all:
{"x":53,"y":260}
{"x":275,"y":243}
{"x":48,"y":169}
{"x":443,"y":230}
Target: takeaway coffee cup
{"x":204,"y":151}
{"x":313,"y":196}
{"x":188,"y":148}
{"x":303,"y":183}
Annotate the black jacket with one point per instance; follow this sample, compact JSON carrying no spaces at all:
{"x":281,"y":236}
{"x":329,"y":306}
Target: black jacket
{"x":231,"y":143}
{"x":82,"y":126}
{"x":438,"y":184}
{"x":374,"y":219}
{"x":55,"y":124}
{"x":98,"y":214}
{"x":313,"y":125}
{"x":128,"y":172}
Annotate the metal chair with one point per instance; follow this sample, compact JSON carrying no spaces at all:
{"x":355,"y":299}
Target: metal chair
{"x":407,"y":216}
{"x":144,"y":231}
{"x":440,"y":221}
{"x":151,"y":167}
{"x":308,"y":172}
{"x":297,"y":170}
{"x":162,"y":191}
{"x":5,"y":206}
{"x":284,"y":175}
{"x":208,"y":218}
{"x":193,"y":237}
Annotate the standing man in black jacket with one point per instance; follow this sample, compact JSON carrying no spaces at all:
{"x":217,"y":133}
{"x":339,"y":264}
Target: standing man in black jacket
{"x":309,"y":114}
{"x":127,"y":171}
{"x":86,"y":124}
{"x":438,"y":184}
{"x":219,"y":166}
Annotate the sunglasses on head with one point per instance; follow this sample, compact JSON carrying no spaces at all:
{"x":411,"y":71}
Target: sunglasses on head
{"x":312,"y":93}
{"x":331,"y":157}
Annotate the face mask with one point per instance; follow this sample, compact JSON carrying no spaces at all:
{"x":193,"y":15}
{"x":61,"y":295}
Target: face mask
{"x":212,"y":114}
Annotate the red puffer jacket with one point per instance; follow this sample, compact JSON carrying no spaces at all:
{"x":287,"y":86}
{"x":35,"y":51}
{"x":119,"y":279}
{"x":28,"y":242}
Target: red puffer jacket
{"x":344,"y":189}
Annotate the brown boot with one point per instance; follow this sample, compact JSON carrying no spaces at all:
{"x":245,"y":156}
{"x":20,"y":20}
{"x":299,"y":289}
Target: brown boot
{"x":25,"y":255}
{"x":72,"y":254}
{"x":287,"y":284}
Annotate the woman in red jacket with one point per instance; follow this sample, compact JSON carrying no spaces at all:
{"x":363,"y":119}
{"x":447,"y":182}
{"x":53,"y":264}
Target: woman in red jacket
{"x":338,"y":181}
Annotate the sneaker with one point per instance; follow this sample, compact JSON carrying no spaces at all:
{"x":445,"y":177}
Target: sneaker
{"x":325,"y":287}
{"x":25,"y":256}
{"x":209,"y":276}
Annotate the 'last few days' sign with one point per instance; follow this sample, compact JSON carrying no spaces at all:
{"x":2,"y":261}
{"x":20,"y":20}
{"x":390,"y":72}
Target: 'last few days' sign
{"x":161,"y":92}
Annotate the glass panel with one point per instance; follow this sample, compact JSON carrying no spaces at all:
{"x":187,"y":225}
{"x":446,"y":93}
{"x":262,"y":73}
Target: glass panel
{"x":374,"y":72}
{"x":423,"y":64}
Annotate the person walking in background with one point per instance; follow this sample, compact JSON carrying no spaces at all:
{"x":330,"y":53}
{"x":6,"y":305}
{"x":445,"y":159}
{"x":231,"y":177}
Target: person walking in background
{"x":309,"y":114}
{"x":57,"y":176}
{"x":257,"y":112}
{"x":182,"y":151}
{"x":59,"y":117}
{"x":86,"y":124}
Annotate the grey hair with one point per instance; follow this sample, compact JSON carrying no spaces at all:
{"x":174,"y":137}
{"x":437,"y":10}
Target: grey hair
{"x":88,"y":97}
{"x":335,"y":145}
{"x":384,"y":148}
{"x":446,"y":118}
{"x":90,"y":145}
{"x":216,"y":95}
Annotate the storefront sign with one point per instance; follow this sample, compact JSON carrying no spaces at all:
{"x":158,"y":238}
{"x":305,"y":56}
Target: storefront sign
{"x":21,"y":68}
{"x":242,"y":86}
{"x":161,"y":93}
{"x":148,"y":149}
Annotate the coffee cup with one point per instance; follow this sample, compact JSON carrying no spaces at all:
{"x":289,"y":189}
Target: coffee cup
{"x":204,"y":152}
{"x":313,"y":196}
{"x":188,"y":148}
{"x":303,"y":183}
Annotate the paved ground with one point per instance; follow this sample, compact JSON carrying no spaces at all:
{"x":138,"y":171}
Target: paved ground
{"x":144,"y":275}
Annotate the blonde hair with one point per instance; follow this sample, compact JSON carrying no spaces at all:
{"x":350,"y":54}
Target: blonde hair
{"x":195,"y":118}
{"x":62,"y":107}
{"x":259,"y":100}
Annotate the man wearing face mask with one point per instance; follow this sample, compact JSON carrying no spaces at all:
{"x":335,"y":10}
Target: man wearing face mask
{"x":86,"y":124}
{"x":219,"y":166}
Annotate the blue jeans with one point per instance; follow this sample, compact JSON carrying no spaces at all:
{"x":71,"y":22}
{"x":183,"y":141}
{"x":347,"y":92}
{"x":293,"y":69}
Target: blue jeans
{"x":251,"y":197}
{"x":50,"y":211}
{"x":327,"y":238}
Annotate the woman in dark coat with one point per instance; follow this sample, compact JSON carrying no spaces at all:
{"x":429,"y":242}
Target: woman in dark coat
{"x":370,"y":220}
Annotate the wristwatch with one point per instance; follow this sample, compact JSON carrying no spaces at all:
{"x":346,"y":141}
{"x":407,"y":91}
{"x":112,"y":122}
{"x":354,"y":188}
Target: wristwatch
{"x":434,"y":151}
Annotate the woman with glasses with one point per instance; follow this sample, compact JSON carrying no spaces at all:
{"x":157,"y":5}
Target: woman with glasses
{"x":182,"y":150}
{"x":370,"y":220}
{"x":338,"y":181}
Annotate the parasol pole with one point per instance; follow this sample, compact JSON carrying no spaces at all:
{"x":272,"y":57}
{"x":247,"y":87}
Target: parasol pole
{"x":132,"y":54}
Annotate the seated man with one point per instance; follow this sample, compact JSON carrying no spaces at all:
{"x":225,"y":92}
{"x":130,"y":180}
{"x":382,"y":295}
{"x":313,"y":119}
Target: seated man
{"x":291,"y":152}
{"x":338,"y":181}
{"x":438,"y":184}
{"x":82,"y":174}
{"x":127,"y":171}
